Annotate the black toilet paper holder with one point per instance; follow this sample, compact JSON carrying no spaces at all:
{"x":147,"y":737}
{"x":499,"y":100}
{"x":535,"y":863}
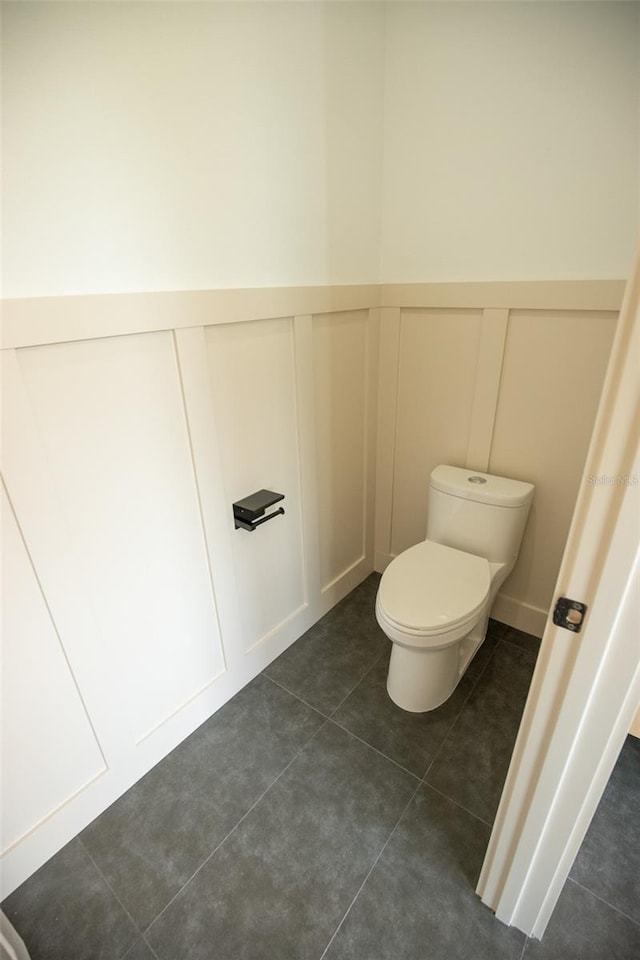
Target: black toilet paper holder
{"x":248,"y":513}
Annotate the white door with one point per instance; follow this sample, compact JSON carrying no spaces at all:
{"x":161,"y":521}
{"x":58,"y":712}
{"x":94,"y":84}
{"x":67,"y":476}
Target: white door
{"x":586,"y":687}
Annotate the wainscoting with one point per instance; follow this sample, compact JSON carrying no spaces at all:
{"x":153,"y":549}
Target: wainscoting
{"x":132,"y":607}
{"x":468,"y":381}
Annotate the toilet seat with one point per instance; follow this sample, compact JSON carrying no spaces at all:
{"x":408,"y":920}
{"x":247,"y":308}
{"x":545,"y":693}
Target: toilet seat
{"x":431,"y":595}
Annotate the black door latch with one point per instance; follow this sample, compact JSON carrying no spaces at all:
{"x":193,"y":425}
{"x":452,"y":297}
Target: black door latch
{"x":569,"y":614}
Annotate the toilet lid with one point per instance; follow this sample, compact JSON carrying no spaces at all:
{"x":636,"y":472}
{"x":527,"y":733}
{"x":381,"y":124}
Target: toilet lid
{"x":431,"y":587}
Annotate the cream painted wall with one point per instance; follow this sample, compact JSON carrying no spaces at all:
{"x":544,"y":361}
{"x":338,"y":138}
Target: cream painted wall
{"x":511,"y":141}
{"x":172,"y":146}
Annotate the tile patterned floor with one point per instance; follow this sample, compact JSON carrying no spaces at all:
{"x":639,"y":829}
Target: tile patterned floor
{"x":311,"y":819}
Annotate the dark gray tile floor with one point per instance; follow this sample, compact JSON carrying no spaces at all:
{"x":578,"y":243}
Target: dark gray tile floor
{"x":608,"y":862}
{"x":311,"y":819}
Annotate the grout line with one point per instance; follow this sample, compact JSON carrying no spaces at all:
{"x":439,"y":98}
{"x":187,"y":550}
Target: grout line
{"x":358,"y":682}
{"x":326,"y":719}
{"x":524,"y":947}
{"x":518,"y":646}
{"x":375,"y":749}
{"x":147,"y":945}
{"x":234,"y":828}
{"x":371,"y":869}
{"x":297,"y":697}
{"x":115,"y":895}
{"x":457,"y":803}
{"x":149,"y":948}
{"x":329,"y":716}
{"x":460,"y":712}
{"x":602,"y":900}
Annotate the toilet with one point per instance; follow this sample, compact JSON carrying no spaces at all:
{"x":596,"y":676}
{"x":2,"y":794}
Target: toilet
{"x":434,"y":599}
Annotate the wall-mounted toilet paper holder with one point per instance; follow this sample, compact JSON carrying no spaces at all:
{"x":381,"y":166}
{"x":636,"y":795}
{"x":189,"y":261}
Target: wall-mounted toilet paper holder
{"x":248,"y":512}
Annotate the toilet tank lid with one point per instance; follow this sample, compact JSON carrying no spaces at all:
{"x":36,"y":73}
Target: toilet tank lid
{"x":481,"y":487}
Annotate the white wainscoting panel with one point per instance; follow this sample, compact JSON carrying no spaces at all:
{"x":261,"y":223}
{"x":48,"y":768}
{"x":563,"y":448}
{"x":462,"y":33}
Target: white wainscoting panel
{"x":386,"y":432}
{"x":133,"y":608}
{"x":436,"y":381}
{"x":340,"y":379}
{"x":111,"y":418}
{"x":552,"y":375}
{"x":253,"y":383}
{"x":48,"y":748}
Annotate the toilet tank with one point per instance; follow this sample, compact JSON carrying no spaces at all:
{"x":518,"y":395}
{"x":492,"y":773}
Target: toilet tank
{"x":477,"y":512}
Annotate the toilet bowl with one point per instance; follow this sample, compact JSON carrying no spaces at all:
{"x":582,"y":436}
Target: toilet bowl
{"x":434,"y":599}
{"x":431,"y":623}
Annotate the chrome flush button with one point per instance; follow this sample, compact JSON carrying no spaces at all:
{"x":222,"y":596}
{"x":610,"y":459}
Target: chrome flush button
{"x":477,"y":479}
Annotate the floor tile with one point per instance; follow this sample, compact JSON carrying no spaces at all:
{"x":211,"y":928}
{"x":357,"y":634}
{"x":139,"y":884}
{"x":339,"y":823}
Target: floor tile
{"x":608,"y":862}
{"x":496,"y":628}
{"x":521,"y":639}
{"x":66,"y":910}
{"x":585,"y":928}
{"x":140,"y":951}
{"x":361,"y":601}
{"x":485,"y":652}
{"x":419,"y":901}
{"x":279,"y":885}
{"x":473,"y":763}
{"x":152,"y":839}
{"x":325,"y":664}
{"x":410,"y":739}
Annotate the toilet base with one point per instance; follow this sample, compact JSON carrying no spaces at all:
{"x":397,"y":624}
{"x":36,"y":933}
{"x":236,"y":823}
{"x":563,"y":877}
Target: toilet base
{"x":421,"y":679}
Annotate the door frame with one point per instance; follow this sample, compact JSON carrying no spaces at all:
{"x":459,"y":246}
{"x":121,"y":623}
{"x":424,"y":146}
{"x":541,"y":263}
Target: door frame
{"x":586,"y":686}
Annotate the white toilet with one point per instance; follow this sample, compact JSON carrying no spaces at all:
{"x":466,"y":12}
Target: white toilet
{"x":434,"y":599}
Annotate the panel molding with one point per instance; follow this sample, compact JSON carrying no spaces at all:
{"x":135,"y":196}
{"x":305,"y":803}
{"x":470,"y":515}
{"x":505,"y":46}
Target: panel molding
{"x":55,"y":689}
{"x":508,"y":294}
{"x":371,"y":428}
{"x":523,"y":610}
{"x":253,"y":386}
{"x":276,"y":629}
{"x":60,"y":571}
{"x":346,"y":581}
{"x":341,"y":363}
{"x":56,"y":559}
{"x":437,"y":369}
{"x":19,"y":842}
{"x":33,"y":322}
{"x":308,"y":464}
{"x":544,"y":419}
{"x":388,"y":372}
{"x":191,"y":352}
{"x":39,"y":320}
{"x":58,"y":563}
{"x":487,"y":387}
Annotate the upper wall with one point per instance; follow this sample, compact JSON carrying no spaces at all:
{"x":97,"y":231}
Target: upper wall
{"x":511,"y":141}
{"x":170,"y":146}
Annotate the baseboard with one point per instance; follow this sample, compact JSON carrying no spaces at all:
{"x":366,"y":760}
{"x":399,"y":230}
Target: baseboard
{"x":344,"y":583}
{"x":382,"y":561}
{"x":522,"y":616}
